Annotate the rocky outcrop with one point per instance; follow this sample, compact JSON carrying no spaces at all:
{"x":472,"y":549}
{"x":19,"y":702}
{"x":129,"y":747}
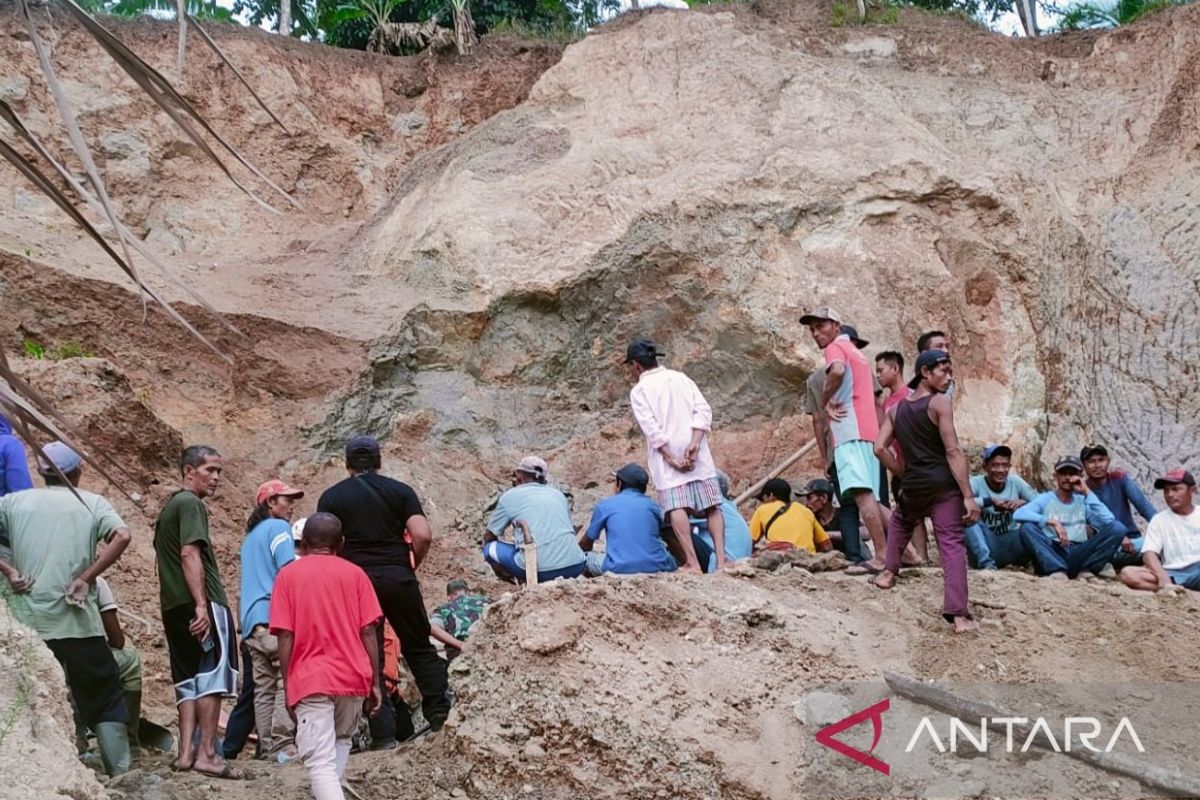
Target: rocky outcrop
{"x":37,"y":735}
{"x":730,"y":168}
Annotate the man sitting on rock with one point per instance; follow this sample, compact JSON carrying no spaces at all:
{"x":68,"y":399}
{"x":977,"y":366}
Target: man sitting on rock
{"x":817,"y":495}
{"x":1171,"y":551}
{"x":630,"y":522}
{"x":785,"y":525}
{"x":1117,"y":490}
{"x":995,"y":541}
{"x":1055,"y":526}
{"x":545,"y":512}
{"x":737,"y":532}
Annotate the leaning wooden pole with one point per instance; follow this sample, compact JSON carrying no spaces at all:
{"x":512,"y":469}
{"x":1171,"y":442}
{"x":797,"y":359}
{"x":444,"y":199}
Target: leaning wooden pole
{"x":787,"y":462}
{"x":1173,"y":781}
{"x":531,"y":559}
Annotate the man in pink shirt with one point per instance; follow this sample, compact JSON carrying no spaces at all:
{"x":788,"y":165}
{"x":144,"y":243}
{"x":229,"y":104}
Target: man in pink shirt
{"x":849,"y":401}
{"x":324,"y":612}
{"x":676,"y":420}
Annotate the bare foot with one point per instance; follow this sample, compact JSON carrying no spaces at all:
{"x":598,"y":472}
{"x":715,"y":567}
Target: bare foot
{"x":965,"y":625}
{"x":884,"y":580}
{"x":1058,"y":576}
{"x":182,"y":763}
{"x":874,"y":565}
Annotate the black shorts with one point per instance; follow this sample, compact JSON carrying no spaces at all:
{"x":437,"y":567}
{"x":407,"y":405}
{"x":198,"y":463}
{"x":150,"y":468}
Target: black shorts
{"x":93,"y":678}
{"x":202,"y":669}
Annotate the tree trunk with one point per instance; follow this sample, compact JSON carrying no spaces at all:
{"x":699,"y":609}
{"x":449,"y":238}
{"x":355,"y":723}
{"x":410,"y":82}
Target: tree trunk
{"x":464,"y":27}
{"x":181,"y":14}
{"x":285,"y":17}
{"x":1027,"y":11}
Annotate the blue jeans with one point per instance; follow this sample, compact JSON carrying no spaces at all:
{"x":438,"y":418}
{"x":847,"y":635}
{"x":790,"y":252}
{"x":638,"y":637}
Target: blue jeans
{"x":1049,"y":556}
{"x":1188,"y":577}
{"x":504,"y":555}
{"x":848,"y":522}
{"x":989,"y":551}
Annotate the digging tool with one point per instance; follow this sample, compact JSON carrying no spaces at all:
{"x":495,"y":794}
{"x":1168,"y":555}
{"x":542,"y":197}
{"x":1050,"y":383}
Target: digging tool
{"x":930,"y":694}
{"x":787,"y":462}
{"x":531,"y":564}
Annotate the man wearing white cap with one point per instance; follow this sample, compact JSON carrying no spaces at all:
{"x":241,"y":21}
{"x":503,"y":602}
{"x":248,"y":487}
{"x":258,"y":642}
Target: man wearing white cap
{"x":545,"y":511}
{"x":53,"y":533}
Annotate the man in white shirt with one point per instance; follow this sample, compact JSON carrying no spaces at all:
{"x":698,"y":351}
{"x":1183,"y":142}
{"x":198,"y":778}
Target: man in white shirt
{"x":676,"y":420}
{"x":1171,"y":550}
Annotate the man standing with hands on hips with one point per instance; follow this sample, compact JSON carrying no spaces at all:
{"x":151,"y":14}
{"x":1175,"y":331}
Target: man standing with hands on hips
{"x":677,"y":420}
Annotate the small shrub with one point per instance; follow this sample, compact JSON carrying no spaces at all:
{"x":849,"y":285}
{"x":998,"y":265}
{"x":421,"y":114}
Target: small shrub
{"x":70,"y":350}
{"x":34,"y":349}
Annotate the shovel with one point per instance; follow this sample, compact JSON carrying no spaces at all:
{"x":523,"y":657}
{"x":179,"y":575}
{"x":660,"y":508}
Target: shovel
{"x":531,"y":563}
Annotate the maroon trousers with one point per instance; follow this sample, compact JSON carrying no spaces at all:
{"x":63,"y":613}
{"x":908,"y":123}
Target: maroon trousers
{"x":946,"y":511}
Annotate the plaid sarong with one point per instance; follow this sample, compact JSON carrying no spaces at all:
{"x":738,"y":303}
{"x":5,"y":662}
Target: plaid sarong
{"x":695,"y":496}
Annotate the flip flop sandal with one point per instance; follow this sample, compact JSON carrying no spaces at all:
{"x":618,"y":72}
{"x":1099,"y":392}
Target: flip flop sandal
{"x":228,"y":773}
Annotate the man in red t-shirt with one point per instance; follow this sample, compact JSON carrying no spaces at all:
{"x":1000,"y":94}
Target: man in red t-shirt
{"x":324,"y":612}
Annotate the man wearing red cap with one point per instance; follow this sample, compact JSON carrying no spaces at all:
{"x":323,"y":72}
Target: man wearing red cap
{"x":266,"y":549}
{"x":1171,"y":551}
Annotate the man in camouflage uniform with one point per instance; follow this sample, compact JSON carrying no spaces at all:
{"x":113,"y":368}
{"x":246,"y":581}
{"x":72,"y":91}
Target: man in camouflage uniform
{"x":451,"y":622}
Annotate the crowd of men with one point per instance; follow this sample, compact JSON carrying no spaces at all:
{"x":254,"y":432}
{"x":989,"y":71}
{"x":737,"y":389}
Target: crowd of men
{"x":329,"y":605}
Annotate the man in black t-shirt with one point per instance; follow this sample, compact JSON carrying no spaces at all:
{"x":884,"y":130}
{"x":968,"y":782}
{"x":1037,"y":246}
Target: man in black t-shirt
{"x":387,"y":535}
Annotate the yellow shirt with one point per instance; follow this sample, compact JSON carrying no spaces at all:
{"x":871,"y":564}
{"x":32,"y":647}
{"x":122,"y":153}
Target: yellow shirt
{"x":797,"y":526}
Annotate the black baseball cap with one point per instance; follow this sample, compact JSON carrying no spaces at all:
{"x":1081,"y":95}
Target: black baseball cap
{"x":1092,"y":450}
{"x":929,"y":358}
{"x":642,"y":347}
{"x":818,"y":486}
{"x":852,"y":332}
{"x":362,"y":451}
{"x":777,"y":488}
{"x":633,"y":476}
{"x":1068,"y":463}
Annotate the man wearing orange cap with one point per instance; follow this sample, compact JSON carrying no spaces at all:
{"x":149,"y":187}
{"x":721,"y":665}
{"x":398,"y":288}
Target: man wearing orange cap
{"x":267,"y":549}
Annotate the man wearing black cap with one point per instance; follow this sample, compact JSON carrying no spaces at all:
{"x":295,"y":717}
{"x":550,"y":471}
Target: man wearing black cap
{"x":995,"y":541}
{"x":387,"y":535}
{"x":676,"y":421}
{"x":52,"y":534}
{"x":1117,"y":490}
{"x":848,"y":400}
{"x":934,"y":482}
{"x":1068,"y":531}
{"x":630,"y":522}
{"x":784,"y":525}
{"x":1172,"y":547}
{"x":817,"y":495}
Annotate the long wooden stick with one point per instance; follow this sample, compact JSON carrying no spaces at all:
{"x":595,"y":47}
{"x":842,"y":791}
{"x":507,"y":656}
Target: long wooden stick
{"x":1172,"y":781}
{"x":787,"y":462}
{"x":531,"y":559}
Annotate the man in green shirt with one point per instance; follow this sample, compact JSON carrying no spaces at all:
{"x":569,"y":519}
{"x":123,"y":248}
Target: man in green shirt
{"x":200,"y":631}
{"x":52,"y":534}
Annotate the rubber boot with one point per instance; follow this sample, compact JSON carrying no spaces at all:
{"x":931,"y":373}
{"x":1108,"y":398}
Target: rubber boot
{"x":133,"y":702}
{"x":113,"y":738}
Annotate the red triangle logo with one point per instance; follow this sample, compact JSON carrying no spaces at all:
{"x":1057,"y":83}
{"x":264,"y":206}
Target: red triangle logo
{"x":875,"y":714}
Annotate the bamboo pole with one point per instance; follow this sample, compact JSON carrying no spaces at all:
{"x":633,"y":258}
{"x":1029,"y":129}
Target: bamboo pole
{"x":787,"y":462}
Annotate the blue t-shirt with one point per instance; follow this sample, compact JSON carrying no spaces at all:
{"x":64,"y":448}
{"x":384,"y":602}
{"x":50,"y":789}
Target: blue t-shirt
{"x":544,"y":509}
{"x":738,"y":544}
{"x":266,"y":549}
{"x":630,"y":522}
{"x":1119,"y":492}
{"x":1076,"y":515}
